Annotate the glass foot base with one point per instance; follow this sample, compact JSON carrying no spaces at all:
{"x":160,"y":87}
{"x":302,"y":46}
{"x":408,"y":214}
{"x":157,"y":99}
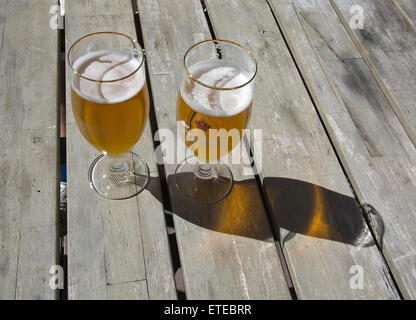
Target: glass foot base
{"x":118,"y":178}
{"x":206,"y":183}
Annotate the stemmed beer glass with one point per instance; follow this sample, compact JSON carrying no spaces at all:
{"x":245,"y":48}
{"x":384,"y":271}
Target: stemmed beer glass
{"x":110,"y":103}
{"x":213,"y":107}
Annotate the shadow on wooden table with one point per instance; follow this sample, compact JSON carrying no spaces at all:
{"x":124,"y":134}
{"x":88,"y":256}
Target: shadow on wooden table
{"x":309,"y":209}
{"x":296,"y":206}
{"x":240,"y":213}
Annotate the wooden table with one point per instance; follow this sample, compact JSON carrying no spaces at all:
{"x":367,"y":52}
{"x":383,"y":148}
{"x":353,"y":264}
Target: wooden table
{"x":334,"y":204}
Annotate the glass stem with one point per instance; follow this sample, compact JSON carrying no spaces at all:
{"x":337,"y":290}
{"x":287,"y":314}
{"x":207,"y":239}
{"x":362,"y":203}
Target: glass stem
{"x":119,"y":170}
{"x":118,"y":165}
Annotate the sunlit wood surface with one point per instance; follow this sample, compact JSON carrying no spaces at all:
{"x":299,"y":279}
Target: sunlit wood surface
{"x":337,"y":188}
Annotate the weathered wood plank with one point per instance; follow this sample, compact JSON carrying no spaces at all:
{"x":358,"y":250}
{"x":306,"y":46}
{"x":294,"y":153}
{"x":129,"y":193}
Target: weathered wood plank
{"x":389,"y":49}
{"x":112,"y":245}
{"x":373,"y":146}
{"x":323,"y":232}
{"x":128,"y":291}
{"x":226,"y":250}
{"x":407,"y":10}
{"x":28,"y":150}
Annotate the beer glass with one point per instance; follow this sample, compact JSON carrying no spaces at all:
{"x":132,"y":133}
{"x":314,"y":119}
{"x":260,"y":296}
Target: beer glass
{"x":213,"y":107}
{"x":110,"y":104}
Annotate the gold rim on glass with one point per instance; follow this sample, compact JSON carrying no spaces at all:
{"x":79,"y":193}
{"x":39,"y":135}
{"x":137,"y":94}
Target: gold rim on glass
{"x":224,"y":41}
{"x":134,"y":41}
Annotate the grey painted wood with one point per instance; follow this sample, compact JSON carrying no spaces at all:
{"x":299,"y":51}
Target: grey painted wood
{"x":322,"y":230}
{"x":377,"y":155}
{"x":136,"y":290}
{"x":226,"y":250}
{"x":28,"y":150}
{"x":407,"y":11}
{"x":388,"y":46}
{"x":116,"y":249}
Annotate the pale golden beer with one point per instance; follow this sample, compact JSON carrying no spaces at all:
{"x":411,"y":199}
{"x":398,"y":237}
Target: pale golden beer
{"x":111,"y":116}
{"x":212,"y":111}
{"x":227,"y":112}
{"x":110,"y":104}
{"x":190,"y":119}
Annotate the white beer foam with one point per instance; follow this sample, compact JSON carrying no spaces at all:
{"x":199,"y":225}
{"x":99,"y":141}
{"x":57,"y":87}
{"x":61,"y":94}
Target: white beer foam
{"x":219,"y":74}
{"x":108,"y":65}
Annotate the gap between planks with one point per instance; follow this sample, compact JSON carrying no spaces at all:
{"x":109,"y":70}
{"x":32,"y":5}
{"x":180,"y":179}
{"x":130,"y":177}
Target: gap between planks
{"x":332,"y":146}
{"x":272,"y":225}
{"x":170,"y":226}
{"x":339,"y":158}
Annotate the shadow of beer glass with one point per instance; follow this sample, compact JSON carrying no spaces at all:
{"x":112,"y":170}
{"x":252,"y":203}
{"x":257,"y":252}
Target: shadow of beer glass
{"x":296,"y":206}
